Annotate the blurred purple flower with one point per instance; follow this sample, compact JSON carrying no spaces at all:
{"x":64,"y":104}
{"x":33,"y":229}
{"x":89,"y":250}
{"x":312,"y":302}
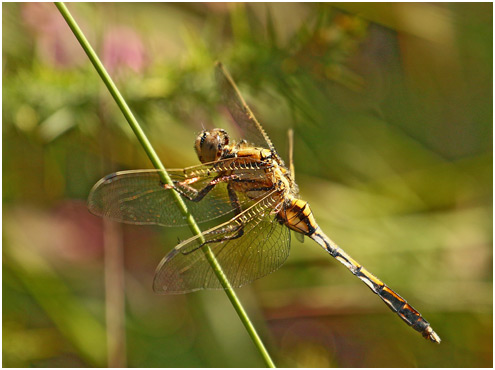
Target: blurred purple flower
{"x":123,"y":49}
{"x":55,"y":44}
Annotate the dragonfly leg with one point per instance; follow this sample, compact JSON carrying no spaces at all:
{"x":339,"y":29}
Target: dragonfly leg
{"x":194,"y":195}
{"x":236,"y":229}
{"x":232,"y":230}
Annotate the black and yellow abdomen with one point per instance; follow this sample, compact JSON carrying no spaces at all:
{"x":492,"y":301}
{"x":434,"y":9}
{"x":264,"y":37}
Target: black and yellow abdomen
{"x":297,"y":215}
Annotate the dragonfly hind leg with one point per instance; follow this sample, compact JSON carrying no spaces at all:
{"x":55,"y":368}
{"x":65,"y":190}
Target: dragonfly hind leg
{"x":236,"y":229}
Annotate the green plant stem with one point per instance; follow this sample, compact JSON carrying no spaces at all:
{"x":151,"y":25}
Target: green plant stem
{"x":164,"y":177}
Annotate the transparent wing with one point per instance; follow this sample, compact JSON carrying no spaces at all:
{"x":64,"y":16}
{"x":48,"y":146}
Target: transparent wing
{"x":240,"y":111}
{"x":261,"y":249}
{"x":139,"y":197}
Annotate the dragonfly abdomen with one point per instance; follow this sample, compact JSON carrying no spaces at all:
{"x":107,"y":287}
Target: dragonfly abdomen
{"x":297,"y":215}
{"x":393,"y":300}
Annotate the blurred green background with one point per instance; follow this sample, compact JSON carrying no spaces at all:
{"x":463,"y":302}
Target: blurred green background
{"x":392,"y":110}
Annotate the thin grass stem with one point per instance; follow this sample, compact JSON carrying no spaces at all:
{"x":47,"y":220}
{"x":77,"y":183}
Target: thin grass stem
{"x":107,"y":80}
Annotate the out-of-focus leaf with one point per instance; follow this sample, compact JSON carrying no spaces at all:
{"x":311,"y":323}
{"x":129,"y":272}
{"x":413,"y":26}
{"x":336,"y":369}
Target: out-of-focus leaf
{"x":57,"y":124}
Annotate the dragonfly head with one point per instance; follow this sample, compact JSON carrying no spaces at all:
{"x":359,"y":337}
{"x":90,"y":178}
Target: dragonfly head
{"x":210,"y":145}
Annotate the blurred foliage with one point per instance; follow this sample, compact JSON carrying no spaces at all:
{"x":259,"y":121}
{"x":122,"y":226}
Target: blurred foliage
{"x":392,"y":110}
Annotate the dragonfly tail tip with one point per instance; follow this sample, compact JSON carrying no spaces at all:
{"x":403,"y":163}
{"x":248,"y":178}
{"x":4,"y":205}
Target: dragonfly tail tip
{"x":431,"y":335}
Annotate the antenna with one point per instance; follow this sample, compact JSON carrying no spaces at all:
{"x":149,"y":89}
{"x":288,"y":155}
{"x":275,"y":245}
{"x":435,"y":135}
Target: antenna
{"x":290,"y":137}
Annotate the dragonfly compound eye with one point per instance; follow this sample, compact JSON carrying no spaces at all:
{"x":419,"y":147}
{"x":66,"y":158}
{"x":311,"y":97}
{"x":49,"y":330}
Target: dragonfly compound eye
{"x":209,"y":145}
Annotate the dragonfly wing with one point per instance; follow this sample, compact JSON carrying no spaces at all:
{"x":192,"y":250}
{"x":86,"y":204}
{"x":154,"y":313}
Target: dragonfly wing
{"x":262,"y":248}
{"x":139,"y":197}
{"x":299,"y":236}
{"x":240,"y":111}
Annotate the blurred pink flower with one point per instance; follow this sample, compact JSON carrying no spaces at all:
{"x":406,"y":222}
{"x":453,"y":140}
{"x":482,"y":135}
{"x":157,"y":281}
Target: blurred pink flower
{"x":123,"y":49}
{"x":55,"y":44}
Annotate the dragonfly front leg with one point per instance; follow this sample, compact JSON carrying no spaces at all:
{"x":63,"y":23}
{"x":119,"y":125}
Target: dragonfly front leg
{"x":194,"y":195}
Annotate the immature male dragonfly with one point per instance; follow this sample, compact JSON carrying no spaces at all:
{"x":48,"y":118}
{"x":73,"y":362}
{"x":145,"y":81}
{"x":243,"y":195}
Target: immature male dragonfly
{"x":246,"y":181}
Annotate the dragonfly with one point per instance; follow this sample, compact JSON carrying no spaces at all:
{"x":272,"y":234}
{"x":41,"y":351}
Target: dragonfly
{"x":247,"y":183}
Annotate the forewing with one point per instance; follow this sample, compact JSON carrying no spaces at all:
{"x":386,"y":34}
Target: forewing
{"x":263,"y":248}
{"x":139,"y":197}
{"x":240,"y":111}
